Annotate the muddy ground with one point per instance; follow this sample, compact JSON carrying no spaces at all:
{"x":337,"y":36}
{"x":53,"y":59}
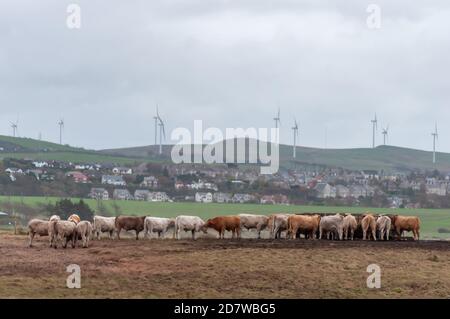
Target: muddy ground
{"x":211,"y":268}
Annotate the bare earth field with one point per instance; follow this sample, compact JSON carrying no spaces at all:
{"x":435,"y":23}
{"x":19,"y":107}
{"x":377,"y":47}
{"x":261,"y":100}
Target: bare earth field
{"x":210,"y":268}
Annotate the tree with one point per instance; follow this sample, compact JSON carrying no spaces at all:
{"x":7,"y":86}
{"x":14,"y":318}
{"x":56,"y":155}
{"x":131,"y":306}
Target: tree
{"x":65,"y":207}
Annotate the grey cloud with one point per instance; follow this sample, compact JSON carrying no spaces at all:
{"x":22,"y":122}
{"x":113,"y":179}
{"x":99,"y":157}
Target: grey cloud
{"x":230,"y":63}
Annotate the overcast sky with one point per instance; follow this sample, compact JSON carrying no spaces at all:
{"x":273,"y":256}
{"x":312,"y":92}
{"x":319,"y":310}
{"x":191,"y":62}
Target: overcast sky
{"x":229,"y":63}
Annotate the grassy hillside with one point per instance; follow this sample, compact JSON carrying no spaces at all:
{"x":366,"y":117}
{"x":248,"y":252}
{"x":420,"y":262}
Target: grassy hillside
{"x":28,"y":148}
{"x":29,"y":144}
{"x":432,"y":219}
{"x":388,"y":158}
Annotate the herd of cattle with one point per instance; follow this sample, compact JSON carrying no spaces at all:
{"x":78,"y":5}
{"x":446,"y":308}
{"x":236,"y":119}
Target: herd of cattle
{"x":313,"y":226}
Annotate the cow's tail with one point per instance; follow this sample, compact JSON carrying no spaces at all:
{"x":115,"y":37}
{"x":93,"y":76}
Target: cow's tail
{"x":289,"y":227}
{"x":175,"y":229}
{"x":271,"y":225}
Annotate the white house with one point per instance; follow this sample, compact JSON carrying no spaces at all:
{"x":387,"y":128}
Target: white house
{"x":158,"y":197}
{"x":122,"y":170}
{"x":203,"y":197}
{"x":149,"y":181}
{"x":99,"y":193}
{"x":113,"y":180}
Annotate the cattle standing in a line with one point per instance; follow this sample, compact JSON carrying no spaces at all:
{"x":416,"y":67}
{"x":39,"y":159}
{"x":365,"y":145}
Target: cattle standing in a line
{"x":84,"y":232}
{"x":369,"y":226}
{"x":223,"y":223}
{"x":277,"y":224}
{"x":350,"y":225}
{"x":130,"y":223}
{"x":329,"y":225}
{"x":258,"y":222}
{"x":406,"y":223}
{"x":307,"y":224}
{"x":104,"y":225}
{"x":384,"y":227}
{"x":194,"y":224}
{"x":158,"y":225}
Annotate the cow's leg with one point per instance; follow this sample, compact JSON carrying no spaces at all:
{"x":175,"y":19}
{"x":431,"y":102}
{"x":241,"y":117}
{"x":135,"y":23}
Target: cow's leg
{"x":320,"y":233}
{"x":364,"y":234}
{"x":193,"y":234}
{"x":118,"y":232}
{"x":374,"y":234}
{"x":31,"y":236}
{"x":137,"y":235}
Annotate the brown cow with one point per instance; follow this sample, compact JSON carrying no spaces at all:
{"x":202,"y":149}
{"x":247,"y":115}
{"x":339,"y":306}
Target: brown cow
{"x":406,"y":223}
{"x":305,"y":223}
{"x":130,"y":223}
{"x":368,"y":223}
{"x":223,"y":223}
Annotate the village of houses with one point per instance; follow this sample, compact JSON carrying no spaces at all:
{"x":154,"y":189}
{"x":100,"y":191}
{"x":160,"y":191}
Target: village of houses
{"x":223,"y":184}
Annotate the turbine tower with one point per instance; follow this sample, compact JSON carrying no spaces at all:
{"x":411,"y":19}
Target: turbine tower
{"x":295,"y":129}
{"x":277,"y":122}
{"x":61,"y":127}
{"x":385,"y":133}
{"x":435,"y":137}
{"x":15,"y":127}
{"x":374,"y":127}
{"x":162,"y":133}
{"x":156,"y":118}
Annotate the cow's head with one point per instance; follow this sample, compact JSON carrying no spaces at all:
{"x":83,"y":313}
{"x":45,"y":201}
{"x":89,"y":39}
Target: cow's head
{"x":205,"y":226}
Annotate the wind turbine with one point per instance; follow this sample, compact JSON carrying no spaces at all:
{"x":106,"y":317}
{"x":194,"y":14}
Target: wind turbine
{"x":15,"y":127}
{"x":61,"y":127}
{"x":385,"y":133}
{"x":435,"y":138}
{"x":156,"y":118}
{"x":295,"y":129}
{"x":277,"y":121}
{"x":162,"y":133}
{"x":374,"y":127}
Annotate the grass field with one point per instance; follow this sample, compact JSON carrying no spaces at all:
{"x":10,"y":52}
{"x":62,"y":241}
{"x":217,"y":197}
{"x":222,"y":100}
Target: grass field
{"x":432,"y":219}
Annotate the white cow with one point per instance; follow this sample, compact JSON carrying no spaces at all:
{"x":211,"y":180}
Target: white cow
{"x":258,"y":222}
{"x":104,"y":225}
{"x":278,"y":223}
{"x":64,"y":231}
{"x":384,"y":226}
{"x":157,"y":225}
{"x":350,"y":226}
{"x":188,"y":223}
{"x":84,"y":232}
{"x":329,"y":225}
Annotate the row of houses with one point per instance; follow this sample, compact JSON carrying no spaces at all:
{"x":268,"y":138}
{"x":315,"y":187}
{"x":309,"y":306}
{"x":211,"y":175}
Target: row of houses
{"x":196,"y":185}
{"x":118,"y":180}
{"x":219,"y":197}
{"x":325,"y":190}
{"x":124,"y":194}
